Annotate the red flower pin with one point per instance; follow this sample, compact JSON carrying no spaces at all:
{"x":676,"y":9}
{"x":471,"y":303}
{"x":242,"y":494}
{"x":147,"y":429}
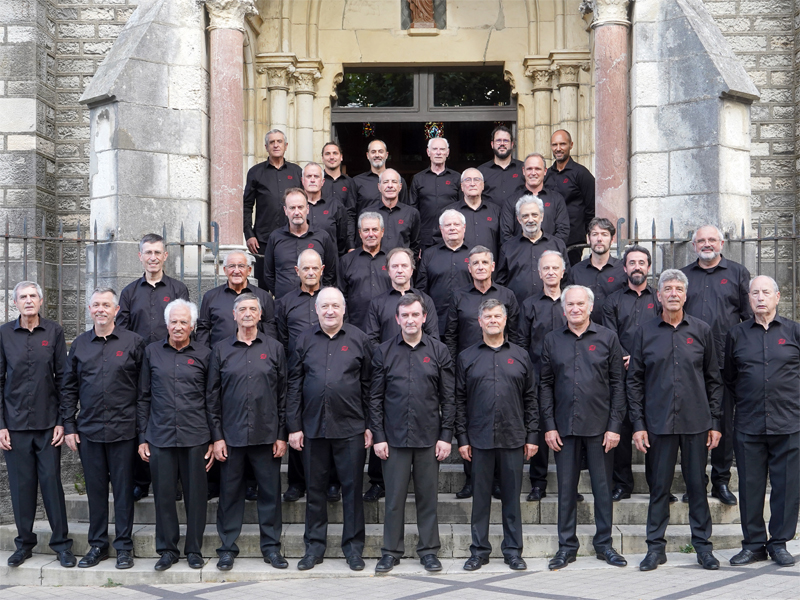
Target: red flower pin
{"x":689,"y":341}
{"x":45,"y":343}
{"x":166,"y":298}
{"x":344,"y":348}
{"x":592,"y":348}
{"x":426,"y":359}
{"x":610,"y":280}
{"x":781,"y":341}
{"x":488,"y":218}
{"x":263,"y":356}
{"x":383,"y":267}
{"x":515,"y":175}
{"x":344,"y":188}
{"x":289,"y":177}
{"x":120,"y":352}
{"x":324,"y":212}
{"x":547,"y":204}
{"x":566,"y":180}
{"x":400,"y":221}
{"x":511,"y":361}
{"x":311,"y":245}
{"x":723,"y":281}
{"x":651,"y":305}
{"x":447,"y":182}
{"x":190,"y":361}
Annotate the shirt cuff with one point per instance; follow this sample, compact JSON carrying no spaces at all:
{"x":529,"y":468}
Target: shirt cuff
{"x":294,"y":427}
{"x":639,"y":425}
{"x":70,"y":428}
{"x":216,"y":434}
{"x":463,"y":440}
{"x":283,"y":435}
{"x":550,"y":424}
{"x":614,"y":426}
{"x":446,"y":435}
{"x":378,"y":437}
{"x":533,"y":438}
{"x":716,"y":425}
{"x":141,"y":439}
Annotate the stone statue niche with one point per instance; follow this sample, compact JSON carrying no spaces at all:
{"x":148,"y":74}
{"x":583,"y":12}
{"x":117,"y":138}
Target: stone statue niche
{"x":423,"y":14}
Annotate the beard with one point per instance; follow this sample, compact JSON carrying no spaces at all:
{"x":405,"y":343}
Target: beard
{"x":502,"y":154}
{"x":378,"y":163}
{"x":708,"y":255}
{"x":637,"y":278}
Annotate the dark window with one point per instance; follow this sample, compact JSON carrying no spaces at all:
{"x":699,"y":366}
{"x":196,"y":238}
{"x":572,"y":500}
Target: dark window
{"x":372,"y":90}
{"x":470,"y":88}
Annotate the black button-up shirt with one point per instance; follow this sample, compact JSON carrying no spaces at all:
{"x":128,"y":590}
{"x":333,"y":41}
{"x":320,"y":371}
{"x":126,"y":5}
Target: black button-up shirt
{"x":500,"y":183}
{"x":141,"y":306}
{"x":247,"y":392}
{"x":280,"y":258}
{"x":441,"y":271}
{"x":103,"y":374}
{"x":431,"y":194}
{"x":582,"y":389}
{"x":626,"y":309}
{"x":264,"y":189}
{"x":483,"y":225}
{"x":343,"y":189}
{"x":762,"y":372}
{"x":366,"y":186}
{"x":330,"y":215}
{"x":539,"y":315}
{"x":576,"y":184}
{"x":518,"y":268}
{"x":362,"y":277}
{"x":602,"y":282}
{"x":720,"y":297}
{"x":411,"y":399}
{"x":32,"y":369}
{"x":400,"y":226}
{"x":294,"y":314}
{"x":172,"y":411}
{"x":496,"y":405}
{"x":329,"y":380}
{"x":462,"y":329}
{"x":215,"y":322}
{"x":556,"y":217}
{"x":674,"y":384}
{"x":381,"y":323}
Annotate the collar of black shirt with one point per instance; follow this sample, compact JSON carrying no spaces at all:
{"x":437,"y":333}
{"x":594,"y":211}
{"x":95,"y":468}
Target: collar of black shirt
{"x":647,"y":290}
{"x":483,"y":344}
{"x":567,"y":167}
{"x":383,"y":207}
{"x":288,"y":232}
{"x":612,"y":262}
{"x":411,"y":290}
{"x":424,"y":341}
{"x":269,"y":165}
{"x":245,"y":290}
{"x":342,"y":331}
{"x":447,"y":171}
{"x":723,"y":264}
{"x":143,"y":281}
{"x":514,"y":162}
{"x":592,"y":328}
{"x":663,"y":323}
{"x":377,"y":254}
{"x":473,"y":290}
{"x":98,"y":338}
{"x":544,"y":238}
{"x":482,"y":205}
{"x":778,"y":320}
{"x":186,"y":348}
{"x":260,"y":338}
{"x":444,"y":246}
{"x":18,"y":326}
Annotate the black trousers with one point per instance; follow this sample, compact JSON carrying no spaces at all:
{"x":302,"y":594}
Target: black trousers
{"x":660,"y":464}
{"x":509,"y":462}
{"x":722,"y":456}
{"x":141,"y":473}
{"x":778,"y":456}
{"x":568,"y":468}
{"x":623,"y":458}
{"x":165,"y":465}
{"x":33,"y":462}
{"x":230,"y":512}
{"x":375,"y":469}
{"x":105,"y":463}
{"x":539,"y":461}
{"x":258,"y":266}
{"x":348,"y":455}
{"x":296,"y":475}
{"x":397,"y":472}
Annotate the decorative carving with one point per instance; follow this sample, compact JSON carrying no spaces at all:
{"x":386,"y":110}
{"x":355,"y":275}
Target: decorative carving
{"x":542,"y":77}
{"x":337,"y":79}
{"x":277,"y":76}
{"x":509,"y":77}
{"x":421,"y":13}
{"x":568,"y":74}
{"x":607,"y":11}
{"x":229,"y":14}
{"x":305,"y":81}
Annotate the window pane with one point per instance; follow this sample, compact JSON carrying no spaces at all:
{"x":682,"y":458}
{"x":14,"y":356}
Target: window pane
{"x":471,"y":88}
{"x":360,"y":90}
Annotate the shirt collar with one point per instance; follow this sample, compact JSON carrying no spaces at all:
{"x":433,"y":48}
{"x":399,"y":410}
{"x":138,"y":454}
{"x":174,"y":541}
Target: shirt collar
{"x":475,"y":290}
{"x":288,"y":232}
{"x":482,"y":205}
{"x":447,"y":171}
{"x":567,"y":167}
{"x":612,"y":262}
{"x":281,"y":168}
{"x":422,"y":342}
{"x":112,"y":335}
{"x":778,"y":320}
{"x":647,"y":290}
{"x":227,"y":289}
{"x":514,"y":162}
{"x":260,"y":338}
{"x":166,"y":344}
{"x":483,"y":344}
{"x":723,"y":264}
{"x":592,"y":328}
{"x":18,"y":326}
{"x":143,"y":281}
{"x":662,"y":322}
{"x":342,"y":331}
{"x":444,"y":246}
{"x":380,"y":251}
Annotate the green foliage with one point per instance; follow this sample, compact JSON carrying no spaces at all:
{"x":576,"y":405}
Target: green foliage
{"x":80,"y":483}
{"x":376,"y":89}
{"x":470,"y":88}
{"x":687,"y":549}
{"x":110,"y":583}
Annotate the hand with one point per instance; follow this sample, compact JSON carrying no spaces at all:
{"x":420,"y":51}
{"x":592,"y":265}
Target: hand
{"x":367,"y":438}
{"x":626,"y":360}
{"x":58,"y":435}
{"x":296,"y":440}
{"x":465,"y":452}
{"x":5,"y":439}
{"x":443,"y":450}
{"x":279,"y":448}
{"x":252,"y":245}
{"x":713,"y":439}
{"x":209,"y":456}
{"x":72,"y":439}
{"x":553,"y":440}
{"x":641,"y":441}
{"x":221,"y":451}
{"x":610,"y":441}
{"x":381,"y":450}
{"x":530,"y":450}
{"x":144,"y":452}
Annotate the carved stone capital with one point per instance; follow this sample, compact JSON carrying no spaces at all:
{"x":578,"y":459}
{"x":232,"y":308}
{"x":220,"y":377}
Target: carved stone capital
{"x":568,"y":74}
{"x":305,"y":81}
{"x":541,"y":76}
{"x":229,"y":14}
{"x":607,"y":12}
{"x":278,"y":76}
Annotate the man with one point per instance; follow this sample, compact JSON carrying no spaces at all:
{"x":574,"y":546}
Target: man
{"x":264,"y":188}
{"x":362,"y":272}
{"x":366,"y":184}
{"x":520,"y":256}
{"x":762,"y":372}
{"x":582,"y":399}
{"x":482,"y":218}
{"x":601,"y":272}
{"x":247,"y":404}
{"x":326,"y":416}
{"x":401,"y":221}
{"x":576,"y":184}
{"x":434,"y":189}
{"x":33,"y":357}
{"x":411,"y":414}
{"x":541,"y":314}
{"x":674,"y":395}
{"x":502,"y":175}
{"x":718,"y":296}
{"x":623,"y":312}
{"x":285,"y":245}
{"x":325,"y":214}
{"x":497,"y":421}
{"x":338,"y":185}
{"x":445,"y":266}
{"x":103,"y":375}
{"x":556,"y":218}
{"x":174,"y":432}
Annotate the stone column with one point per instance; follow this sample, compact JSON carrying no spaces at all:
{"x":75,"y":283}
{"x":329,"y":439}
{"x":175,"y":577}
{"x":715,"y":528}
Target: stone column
{"x":542,"y":76}
{"x":305,"y":81}
{"x":278,"y":80}
{"x":226,"y":112}
{"x":568,"y":81}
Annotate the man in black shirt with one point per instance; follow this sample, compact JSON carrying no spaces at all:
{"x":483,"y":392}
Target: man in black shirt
{"x":339,"y":186}
{"x":325,"y":213}
{"x":264,"y":188}
{"x":762,"y":372}
{"x":285,"y":245}
{"x":247,"y":405}
{"x":33,"y":356}
{"x":502,"y":176}
{"x":411,"y":414}
{"x":497,"y":422}
{"x":103,"y":375}
{"x":400,"y":221}
{"x":434,"y":189}
{"x":174,"y":432}
{"x":582,"y":400}
{"x":674,"y":395}
{"x":327,"y":408}
{"x":366,"y":184}
{"x":482,"y":218}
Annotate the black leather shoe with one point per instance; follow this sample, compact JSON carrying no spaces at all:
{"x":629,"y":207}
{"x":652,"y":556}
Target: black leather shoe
{"x":225,"y":562}
{"x":308,"y":562}
{"x":497,"y":493}
{"x":166,"y":561}
{"x":431,"y":563}
{"x":386,"y":563}
{"x":293,"y":494}
{"x":475,"y":562}
{"x":334,"y":493}
{"x":355,"y":562}
{"x":651,"y":561}
{"x":685,"y":498}
{"x":251,"y":493}
{"x":195,"y":560}
{"x":708,"y":561}
{"x":140,"y":492}
{"x":93,"y":557}
{"x":561,"y":560}
{"x":724,"y":495}
{"x":66,"y":558}
{"x":276,"y":560}
{"x":464,"y":492}
{"x":747,"y":557}
{"x":536,"y":494}
{"x":19,"y":557}
{"x":515,"y":563}
{"x":374,"y":493}
{"x":619,"y":494}
{"x":579,"y":498}
{"x":213,"y":491}
{"x":124,"y":559}
{"x":673,"y":498}
{"x":782,"y":557}
{"x":613,"y":558}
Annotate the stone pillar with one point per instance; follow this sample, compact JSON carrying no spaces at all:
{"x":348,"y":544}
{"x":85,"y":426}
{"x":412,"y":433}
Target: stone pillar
{"x":568,"y":81}
{"x":542,"y":77}
{"x":305,"y":82}
{"x":226,"y":108}
{"x":278,"y":80}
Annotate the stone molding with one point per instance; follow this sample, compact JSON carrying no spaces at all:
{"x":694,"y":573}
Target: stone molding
{"x":569,"y":73}
{"x":607,"y":12}
{"x":229,"y":14}
{"x":541,"y":76}
{"x":278,"y":76}
{"x":305,"y":81}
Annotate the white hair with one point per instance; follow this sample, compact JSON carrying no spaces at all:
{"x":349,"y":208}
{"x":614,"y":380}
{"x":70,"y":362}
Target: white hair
{"x":589,"y":294}
{"x":471,"y":169}
{"x":26,"y":284}
{"x":271,"y":131}
{"x":370,"y":215}
{"x":673,"y":275}
{"x":430,"y":141}
{"x":184,"y":303}
{"x":552,"y":253}
{"x":312,"y":164}
{"x":235,"y":253}
{"x":771,"y":280}
{"x":104,"y":290}
{"x":529,"y":199}
{"x":451,"y":212}
{"x":719,"y":232}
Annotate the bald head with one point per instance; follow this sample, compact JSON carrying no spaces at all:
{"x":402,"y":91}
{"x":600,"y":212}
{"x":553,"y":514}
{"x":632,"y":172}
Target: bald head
{"x":472,"y":184}
{"x":309,"y":256}
{"x":389,"y":186}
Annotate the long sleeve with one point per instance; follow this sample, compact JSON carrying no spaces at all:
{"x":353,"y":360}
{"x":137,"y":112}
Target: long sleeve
{"x":729,"y":371}
{"x":713,"y":382}
{"x":447,"y":399}
{"x":294,"y":392}
{"x":451,"y":326}
{"x":331,"y":258}
{"x":377,"y":394}
{"x":635,"y":384}
{"x":3,"y":366}
{"x":616,"y":374}
{"x":531,"y":407}
{"x":202,"y":331}
{"x":60,"y":370}
{"x":282,"y":325}
{"x":269,"y":265}
{"x":124,"y":315}
{"x":213,"y":402}
{"x":546,"y":389}
{"x":248,"y":202}
{"x":366,"y":380}
{"x":415,"y":241}
{"x":282,"y":394}
{"x":562,"y":222}
{"x":512,"y":324}
{"x":145,"y":396}
{"x":373,"y":324}
{"x":508,"y":222}
{"x":422,"y":273}
{"x":69,"y":400}
{"x":268,"y":324}
{"x":460,"y":423}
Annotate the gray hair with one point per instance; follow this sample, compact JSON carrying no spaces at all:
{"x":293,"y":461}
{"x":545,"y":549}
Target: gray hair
{"x":529,"y":199}
{"x":236,"y":253}
{"x":490,"y":304}
{"x":451,"y":211}
{"x":535,"y":154}
{"x":481,"y":250}
{"x":104,"y":290}
{"x":313,"y":164}
{"x":305,"y":253}
{"x":719,"y":232}
{"x":771,"y":280}
{"x":395,"y":171}
{"x":370,"y":215}
{"x":152,"y":238}
{"x":471,"y":169}
{"x":673,"y":275}
{"x":26,"y":284}
{"x":331,"y":289}
{"x":552,"y":253}
{"x":244,"y":298}
{"x":589,"y":294}
{"x":184,"y":303}
{"x":270,"y":132}
{"x":430,"y":141}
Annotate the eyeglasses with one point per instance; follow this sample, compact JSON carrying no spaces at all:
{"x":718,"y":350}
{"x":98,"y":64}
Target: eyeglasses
{"x":472,"y":180}
{"x":239,"y":267}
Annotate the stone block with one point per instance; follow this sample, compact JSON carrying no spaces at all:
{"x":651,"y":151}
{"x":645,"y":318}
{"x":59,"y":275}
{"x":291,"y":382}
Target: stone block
{"x":55,"y":575}
{"x":733,"y":25}
{"x":734,"y":124}
{"x":18,"y":61}
{"x":701,"y":81}
{"x":97,"y":13}
{"x":721,"y":8}
{"x":17,"y":169}
{"x":97,"y":48}
{"x":776,"y":130}
{"x":694,"y":171}
{"x":760,"y":184}
{"x":646,"y":84}
{"x":649,"y":174}
{"x":780,"y":78}
{"x":142,"y":174}
{"x":188,"y":88}
{"x":17,"y":115}
{"x":159,"y":130}
{"x":759,"y":7}
{"x":76,"y":30}
{"x":748,"y":43}
{"x":128,"y":88}
{"x":30,"y":573}
{"x":645,"y":41}
{"x":181,"y":13}
{"x":21,"y":143}
{"x":690,"y":124}
{"x":188,"y":177}
{"x":19,"y":34}
{"x":734,"y":175}
{"x":111,"y":31}
{"x":179,"y":46}
{"x":645,"y":135}
{"x":73,"y":132}
{"x":75,"y":65}
{"x":646,"y":12}
{"x":369,"y":14}
{"x":759,"y":149}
